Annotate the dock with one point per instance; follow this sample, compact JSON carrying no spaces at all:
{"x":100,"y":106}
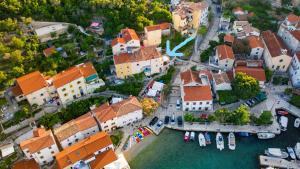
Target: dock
{"x":156,"y":130}
{"x":278,"y":162}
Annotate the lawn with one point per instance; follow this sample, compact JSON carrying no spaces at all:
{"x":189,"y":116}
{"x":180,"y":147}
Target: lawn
{"x":227,"y":97}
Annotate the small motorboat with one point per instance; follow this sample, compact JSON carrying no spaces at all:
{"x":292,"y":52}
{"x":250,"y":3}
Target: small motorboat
{"x":282,"y":112}
{"x":231,"y":141}
{"x":297,"y":122}
{"x":297,"y":150}
{"x":202,"y":141}
{"x":265,"y":135}
{"x":276,"y":152}
{"x":243,"y":134}
{"x":291,"y":152}
{"x":192,"y":137}
{"x":283,"y":122}
{"x":186,"y":136}
{"x":220,"y":141}
{"x":207,"y":138}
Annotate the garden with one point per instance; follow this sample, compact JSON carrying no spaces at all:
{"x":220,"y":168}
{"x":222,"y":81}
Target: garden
{"x":227,"y":97}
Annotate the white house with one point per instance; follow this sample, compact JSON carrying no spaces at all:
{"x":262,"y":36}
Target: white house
{"x":224,"y":57}
{"x":295,"y":70}
{"x":6,"y":149}
{"x":243,"y":29}
{"x":292,"y":40}
{"x":195,"y":91}
{"x":256,"y":47}
{"x":291,"y":23}
{"x":127,"y":42}
{"x":41,"y":147}
{"x":220,"y":82}
{"x":76,"y":130}
{"x":45,"y":33}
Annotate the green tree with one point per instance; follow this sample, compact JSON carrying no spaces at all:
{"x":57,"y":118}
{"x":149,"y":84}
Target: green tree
{"x":265,"y":118}
{"x":17,"y":43}
{"x":3,"y":77}
{"x":189,"y":117}
{"x":18,"y":71}
{"x":17,"y":57}
{"x":245,"y":86}
{"x":222,"y":115}
{"x":241,"y":115}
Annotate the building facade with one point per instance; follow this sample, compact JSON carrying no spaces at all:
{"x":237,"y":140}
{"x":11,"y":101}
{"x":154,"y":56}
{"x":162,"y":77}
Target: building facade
{"x":224,"y":57}
{"x":256,"y":47}
{"x":127,"y":42}
{"x":294,"y":70}
{"x":154,"y":33}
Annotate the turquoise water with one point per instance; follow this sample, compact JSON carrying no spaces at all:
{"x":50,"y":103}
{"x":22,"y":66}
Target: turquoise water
{"x":169,"y":151}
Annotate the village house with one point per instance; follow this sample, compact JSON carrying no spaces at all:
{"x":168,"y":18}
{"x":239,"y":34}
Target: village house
{"x":127,"y":42}
{"x":41,"y":147}
{"x":110,"y":117}
{"x":276,"y":54}
{"x":256,"y":47}
{"x":26,"y":163}
{"x":252,"y":68}
{"x":147,"y":59}
{"x":243,"y":29}
{"x":154,"y":33}
{"x":220,"y":82}
{"x":76,"y":130}
{"x":96,"y":151}
{"x":188,"y":16}
{"x":46,"y":32}
{"x":224,"y":57}
{"x":295,"y":70}
{"x":228,"y":39}
{"x":195,"y":91}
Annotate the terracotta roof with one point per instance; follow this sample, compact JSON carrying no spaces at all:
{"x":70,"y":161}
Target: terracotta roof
{"x":274,"y":43}
{"x":72,"y":127}
{"x":104,"y":113}
{"x":83,"y":149}
{"x":87,"y":69}
{"x":165,"y":25}
{"x":16,"y":90}
{"x":26,"y":164}
{"x":238,"y":9}
{"x":197,"y":93}
{"x":38,"y":143}
{"x":31,"y":82}
{"x":225,"y":52}
{"x":293,"y":18}
{"x":66,"y":77}
{"x":161,"y":26}
{"x":207,"y":73}
{"x":39,"y":132}
{"x":117,"y":40}
{"x":129,"y":34}
{"x":296,"y":34}
{"x":298,"y":56}
{"x":190,"y":76}
{"x":257,"y":73}
{"x":255,"y":42}
{"x":103,"y":159}
{"x":185,"y":7}
{"x":127,"y":106}
{"x":49,"y":51}
{"x":228,"y":38}
{"x":249,"y":63}
{"x":221,"y":78}
{"x":143,"y":54}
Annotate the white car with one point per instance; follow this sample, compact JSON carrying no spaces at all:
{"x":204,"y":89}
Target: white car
{"x":178,"y":104}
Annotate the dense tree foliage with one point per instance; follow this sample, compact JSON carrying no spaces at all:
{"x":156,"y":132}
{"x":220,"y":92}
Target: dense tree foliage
{"x":245,"y":86}
{"x":240,"y":116}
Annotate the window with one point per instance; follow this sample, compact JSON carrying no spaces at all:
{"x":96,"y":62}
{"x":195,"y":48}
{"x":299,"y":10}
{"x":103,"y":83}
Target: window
{"x":70,"y":144}
{"x":72,"y":91}
{"x":200,"y":103}
{"x":138,"y":64}
{"x":64,"y":89}
{"x":52,"y":152}
{"x":281,"y":60}
{"x":105,"y":126}
{"x":113,"y":123}
{"x":38,"y":152}
{"x":44,"y":162}
{"x":41,"y":157}
{"x":94,"y":131}
{"x":66,"y":94}
{"x":78,"y":82}
{"x":194,"y":108}
{"x":207,"y":102}
{"x":187,"y":103}
{"x":273,"y":67}
{"x":226,"y":65}
{"x":194,"y":103}
{"x":283,"y":66}
{"x":42,"y":94}
{"x":71,"y":86}
{"x":50,"y":147}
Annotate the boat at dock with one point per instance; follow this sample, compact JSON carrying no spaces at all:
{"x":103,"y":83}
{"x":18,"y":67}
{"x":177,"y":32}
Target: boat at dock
{"x":276,"y":152}
{"x":231,"y":141}
{"x":297,"y":122}
{"x":186,"y":136}
{"x":192,"y":136}
{"x":220,"y":141}
{"x":265,"y":135}
{"x":201,"y":139}
{"x":297,"y":150}
{"x":283,"y":123}
{"x":291,"y":152}
{"x":207,"y":138}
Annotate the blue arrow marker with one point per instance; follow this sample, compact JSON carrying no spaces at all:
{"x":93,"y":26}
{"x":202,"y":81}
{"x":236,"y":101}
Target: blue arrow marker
{"x":173,"y":53}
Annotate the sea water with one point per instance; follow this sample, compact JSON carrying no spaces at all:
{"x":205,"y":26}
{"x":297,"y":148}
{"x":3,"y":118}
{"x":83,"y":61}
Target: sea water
{"x":169,"y":151}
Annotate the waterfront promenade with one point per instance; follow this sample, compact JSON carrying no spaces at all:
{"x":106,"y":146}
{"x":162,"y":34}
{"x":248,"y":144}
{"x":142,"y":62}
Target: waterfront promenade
{"x":278,"y":162}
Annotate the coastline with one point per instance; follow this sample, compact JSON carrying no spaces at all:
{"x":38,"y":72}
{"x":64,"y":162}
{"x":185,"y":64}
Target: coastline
{"x":137,"y":148}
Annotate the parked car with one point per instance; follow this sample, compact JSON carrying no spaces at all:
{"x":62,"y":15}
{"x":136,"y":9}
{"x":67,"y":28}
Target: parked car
{"x":178,"y":104}
{"x":179,"y":120}
{"x":153,"y":121}
{"x":167,"y":119}
{"x":173,"y":119}
{"x":159,"y":124}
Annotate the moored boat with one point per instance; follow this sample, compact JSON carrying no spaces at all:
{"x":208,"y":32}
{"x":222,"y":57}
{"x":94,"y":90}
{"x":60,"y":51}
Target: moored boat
{"x":297,"y":150}
{"x":297,"y":122}
{"x":192,"y":136}
{"x":276,"y":152}
{"x":265,"y":135}
{"x":231,"y":141}
{"x":207,"y":138}
{"x":186,"y":136}
{"x":201,"y":138}
{"x":283,"y":122}
{"x":220,"y":141}
{"x":291,"y":152}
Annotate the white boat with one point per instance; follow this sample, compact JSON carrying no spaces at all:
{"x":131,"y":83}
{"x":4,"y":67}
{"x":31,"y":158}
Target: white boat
{"x":297,"y":122}
{"x":192,"y":137}
{"x":231,"y":141}
{"x":202,"y":141}
{"x":220,"y":141}
{"x":297,"y":150}
{"x":291,"y":152}
{"x":283,"y":122}
{"x":265,"y":135}
{"x":186,"y":136}
{"x":276,"y":152}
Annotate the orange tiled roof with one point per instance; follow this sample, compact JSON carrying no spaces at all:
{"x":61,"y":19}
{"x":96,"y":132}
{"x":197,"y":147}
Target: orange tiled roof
{"x":103,"y":159}
{"x":162,"y":26}
{"x":16,"y":90}
{"x":31,"y":82}
{"x":274,"y":43}
{"x":126,"y":106}
{"x":143,"y":54}
{"x":221,"y":78}
{"x":197,"y":93}
{"x":72,"y":127}
{"x":296,"y":34}
{"x":83,"y":149}
{"x":225,"y":52}
{"x":117,"y":40}
{"x":257,"y":73}
{"x":87,"y":69}
{"x":293,"y":18}
{"x":255,"y":42}
{"x":228,"y":38}
{"x":49,"y":51}
{"x":66,"y":77}
{"x":190,"y":76}
{"x":39,"y":142}
{"x":104,"y":113}
{"x":26,"y":164}
{"x":129,"y":34}
{"x":165,"y":25}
